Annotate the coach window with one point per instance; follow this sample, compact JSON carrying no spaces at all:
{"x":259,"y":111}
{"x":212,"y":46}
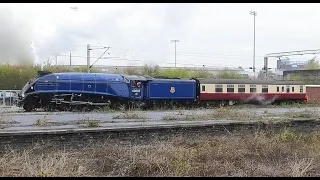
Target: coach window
{"x":203,"y":88}
{"x":241,"y":88}
{"x":230,"y":88}
{"x":253,"y":88}
{"x":282,"y":89}
{"x":264,"y":88}
{"x":301,"y":89}
{"x":288,"y":89}
{"x":292,"y":89}
{"x":278,"y":89}
{"x":219,"y":88}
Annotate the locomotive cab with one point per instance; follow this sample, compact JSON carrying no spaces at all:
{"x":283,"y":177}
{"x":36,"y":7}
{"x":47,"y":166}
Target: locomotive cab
{"x":136,"y":86}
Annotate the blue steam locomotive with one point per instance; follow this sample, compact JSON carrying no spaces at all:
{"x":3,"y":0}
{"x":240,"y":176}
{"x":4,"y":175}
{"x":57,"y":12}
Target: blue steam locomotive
{"x":66,"y":91}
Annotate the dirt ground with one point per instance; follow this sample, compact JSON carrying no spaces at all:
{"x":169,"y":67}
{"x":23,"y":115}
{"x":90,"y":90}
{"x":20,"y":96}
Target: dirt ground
{"x":285,"y":153}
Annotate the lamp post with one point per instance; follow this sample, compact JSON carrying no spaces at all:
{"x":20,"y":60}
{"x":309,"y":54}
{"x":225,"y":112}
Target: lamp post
{"x":254,"y":13}
{"x":88,"y":55}
{"x":175,"y":51}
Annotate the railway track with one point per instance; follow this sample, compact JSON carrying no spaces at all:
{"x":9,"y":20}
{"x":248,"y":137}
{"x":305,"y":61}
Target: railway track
{"x":39,"y":111}
{"x":72,"y":139}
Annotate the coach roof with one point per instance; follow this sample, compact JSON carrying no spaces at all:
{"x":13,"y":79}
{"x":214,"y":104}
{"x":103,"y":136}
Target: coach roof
{"x":173,"y":80}
{"x":248,"y":81}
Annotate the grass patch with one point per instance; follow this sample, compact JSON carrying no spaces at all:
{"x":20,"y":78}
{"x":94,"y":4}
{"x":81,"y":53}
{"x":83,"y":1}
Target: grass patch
{"x":303,"y":114}
{"x":228,"y":113}
{"x":286,"y":153}
{"x":170,"y":118}
{"x":105,"y":109}
{"x":242,"y":114}
{"x":87,"y":122}
{"x":129,"y":115}
{"x":221,"y":113}
{"x":292,"y":105}
{"x":6,"y":122}
{"x":93,"y":123}
{"x":42,"y":122}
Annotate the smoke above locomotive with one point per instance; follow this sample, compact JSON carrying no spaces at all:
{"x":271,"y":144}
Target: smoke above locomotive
{"x":16,"y":39}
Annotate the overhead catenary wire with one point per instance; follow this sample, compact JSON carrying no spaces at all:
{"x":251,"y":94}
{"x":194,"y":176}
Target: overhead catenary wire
{"x":185,"y":63}
{"x":163,"y":62}
{"x":173,"y":63}
{"x":194,"y":54}
{"x":182,"y":65}
{"x":199,"y":53}
{"x":139,"y":60}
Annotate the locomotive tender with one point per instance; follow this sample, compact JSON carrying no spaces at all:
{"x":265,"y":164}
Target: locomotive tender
{"x":83,"y":90}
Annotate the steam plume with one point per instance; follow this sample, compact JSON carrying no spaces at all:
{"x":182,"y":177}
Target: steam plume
{"x":15,"y":40}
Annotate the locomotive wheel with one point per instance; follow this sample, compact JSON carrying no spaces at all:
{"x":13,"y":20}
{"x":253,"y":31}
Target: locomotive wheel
{"x":61,"y":107}
{"x":29,"y":104}
{"x":28,"y":107}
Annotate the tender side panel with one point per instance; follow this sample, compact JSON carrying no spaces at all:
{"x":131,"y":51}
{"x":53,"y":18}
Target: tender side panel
{"x":163,"y":90}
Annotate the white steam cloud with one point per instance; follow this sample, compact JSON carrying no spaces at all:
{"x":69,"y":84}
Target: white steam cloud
{"x":125,"y":27}
{"x":15,"y":40}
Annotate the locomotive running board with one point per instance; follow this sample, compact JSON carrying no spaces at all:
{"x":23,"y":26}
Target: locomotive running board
{"x":82,"y":102}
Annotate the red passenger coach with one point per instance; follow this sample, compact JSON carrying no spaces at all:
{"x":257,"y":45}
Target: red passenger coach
{"x":261,"y":91}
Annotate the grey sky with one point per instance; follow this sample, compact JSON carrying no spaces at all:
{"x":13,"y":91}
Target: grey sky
{"x":210,"y":34}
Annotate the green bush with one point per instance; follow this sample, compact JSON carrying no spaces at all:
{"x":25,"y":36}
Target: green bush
{"x":174,"y":73}
{"x":229,"y":75}
{"x":201,"y":74}
{"x":131,"y":71}
{"x":151,"y":71}
{"x":15,"y":77}
{"x":312,"y":65}
{"x":295,"y":78}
